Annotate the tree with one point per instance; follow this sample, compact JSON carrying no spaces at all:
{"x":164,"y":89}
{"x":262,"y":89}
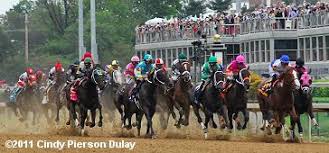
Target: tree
{"x":220,"y":5}
{"x":147,"y":9}
{"x":194,"y":7}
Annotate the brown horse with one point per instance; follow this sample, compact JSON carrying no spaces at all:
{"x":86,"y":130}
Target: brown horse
{"x":182,"y":94}
{"x":236,"y":98}
{"x":302,"y":104}
{"x":53,"y":96}
{"x":282,"y":99}
{"x":264,"y":105}
{"x":27,"y":100}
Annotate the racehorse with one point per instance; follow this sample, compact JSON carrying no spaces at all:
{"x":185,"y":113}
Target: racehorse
{"x":88,"y":97}
{"x":126,"y":107}
{"x":264,"y":105}
{"x":302,"y":104}
{"x":182,"y":95}
{"x":282,"y":99}
{"x":110,"y":92}
{"x":148,"y":94}
{"x":236,"y":98}
{"x":213,"y":100}
{"x":53,"y":96}
{"x":27,"y":100}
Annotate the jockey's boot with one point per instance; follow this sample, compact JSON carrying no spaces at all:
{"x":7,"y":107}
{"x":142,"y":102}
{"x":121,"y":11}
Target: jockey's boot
{"x":14,"y":93}
{"x":199,"y":92}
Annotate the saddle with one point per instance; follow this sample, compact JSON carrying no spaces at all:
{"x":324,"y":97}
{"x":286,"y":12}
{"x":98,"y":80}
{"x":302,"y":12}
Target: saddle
{"x":268,"y":86}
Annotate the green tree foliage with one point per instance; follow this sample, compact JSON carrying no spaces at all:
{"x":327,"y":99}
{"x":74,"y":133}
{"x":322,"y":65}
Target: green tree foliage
{"x":194,"y":7}
{"x":220,"y":5}
{"x":155,"y":8}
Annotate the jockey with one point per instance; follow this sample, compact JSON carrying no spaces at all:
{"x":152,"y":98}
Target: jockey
{"x":207,"y":70}
{"x":71,"y":73}
{"x":40,"y":76}
{"x":112,"y":69}
{"x":300,"y":68}
{"x":176,"y":66}
{"x":277,"y":68}
{"x":86,"y":69}
{"x":159,"y":64}
{"x":22,"y":81}
{"x":86,"y":55}
{"x":233,"y":69}
{"x":129,"y":71}
{"x":57,"y":68}
{"x":142,"y":72}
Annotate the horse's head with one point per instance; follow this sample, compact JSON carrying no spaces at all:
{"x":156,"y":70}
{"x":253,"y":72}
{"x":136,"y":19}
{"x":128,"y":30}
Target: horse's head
{"x":186,"y":68}
{"x":117,"y":77}
{"x":244,"y":78}
{"x":290,"y":79}
{"x":59,"y":77}
{"x":218,"y":80}
{"x":306,"y":81}
{"x":161,"y":78}
{"x":98,"y":77}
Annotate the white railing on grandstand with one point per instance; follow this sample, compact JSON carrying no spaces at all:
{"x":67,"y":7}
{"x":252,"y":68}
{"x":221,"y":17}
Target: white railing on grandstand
{"x":268,"y":24}
{"x":187,"y":33}
{"x":163,"y":34}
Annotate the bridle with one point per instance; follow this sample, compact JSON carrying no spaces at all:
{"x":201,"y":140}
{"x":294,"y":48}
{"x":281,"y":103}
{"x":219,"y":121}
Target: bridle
{"x":216,"y":83}
{"x":243,"y":79}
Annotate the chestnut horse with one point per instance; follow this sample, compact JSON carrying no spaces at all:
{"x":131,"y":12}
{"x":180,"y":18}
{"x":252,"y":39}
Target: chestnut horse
{"x":282,"y":99}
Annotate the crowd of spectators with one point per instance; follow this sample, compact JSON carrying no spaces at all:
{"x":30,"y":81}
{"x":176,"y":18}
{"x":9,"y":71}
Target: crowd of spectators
{"x":278,"y":16}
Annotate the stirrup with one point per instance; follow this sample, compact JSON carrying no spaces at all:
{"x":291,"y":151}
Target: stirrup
{"x":263,"y":93}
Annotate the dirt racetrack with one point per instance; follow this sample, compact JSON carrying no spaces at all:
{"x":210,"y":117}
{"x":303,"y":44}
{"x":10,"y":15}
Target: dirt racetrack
{"x":187,"y":139}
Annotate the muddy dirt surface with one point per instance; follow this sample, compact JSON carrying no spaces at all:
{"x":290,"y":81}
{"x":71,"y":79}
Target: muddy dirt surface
{"x":187,"y":139}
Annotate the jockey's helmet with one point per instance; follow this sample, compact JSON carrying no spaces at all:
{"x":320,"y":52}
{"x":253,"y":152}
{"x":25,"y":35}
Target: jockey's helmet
{"x":29,"y":71}
{"x":58,"y":66}
{"x":240,"y":59}
{"x":182,"y":57}
{"x":148,"y":57}
{"x":115,"y":63}
{"x":159,"y":61}
{"x":87,"y":60}
{"x":300,"y":62}
{"x":134,"y":59}
{"x":285,"y":59}
{"x":212,"y":59}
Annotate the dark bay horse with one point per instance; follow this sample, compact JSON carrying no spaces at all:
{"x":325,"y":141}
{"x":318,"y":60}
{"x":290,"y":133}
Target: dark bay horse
{"x":302,"y":104}
{"x":212,"y":100}
{"x":53,"y":93}
{"x":182,"y":94}
{"x":236,"y":99}
{"x":282,"y":99}
{"x":148,"y":94}
{"x":27,"y":100}
{"x":126,"y":107}
{"x":110,"y":93}
{"x":265,"y":107}
{"x":88,"y":97}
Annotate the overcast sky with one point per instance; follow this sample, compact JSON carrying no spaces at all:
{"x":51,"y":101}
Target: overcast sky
{"x":5,"y":5}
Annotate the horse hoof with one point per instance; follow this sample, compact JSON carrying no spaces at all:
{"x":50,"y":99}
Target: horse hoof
{"x":100,"y":124}
{"x":68,"y":123}
{"x":205,"y":135}
{"x":21,"y":119}
{"x":154,"y":136}
{"x":134,"y":124}
{"x":262,"y":128}
{"x":128,"y":127}
{"x":88,"y":124}
{"x":214,"y":126}
{"x":92,"y":125}
{"x":223,"y":126}
{"x":177,"y":126}
{"x":82,"y":133}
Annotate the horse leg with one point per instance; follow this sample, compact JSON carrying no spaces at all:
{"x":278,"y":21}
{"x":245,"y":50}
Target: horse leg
{"x":300,"y":130}
{"x":83,"y":116}
{"x":230,"y":117}
{"x":246,"y":118}
{"x":139,"y":117}
{"x":207,"y":119}
{"x":128,"y":116}
{"x":292,"y":129}
{"x":196,"y":109}
{"x":100,"y":122}
{"x":162,"y":118}
{"x":186,"y":112}
{"x":93,"y":118}
{"x":57,"y":111}
{"x":214,"y":125}
{"x":311,"y":114}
